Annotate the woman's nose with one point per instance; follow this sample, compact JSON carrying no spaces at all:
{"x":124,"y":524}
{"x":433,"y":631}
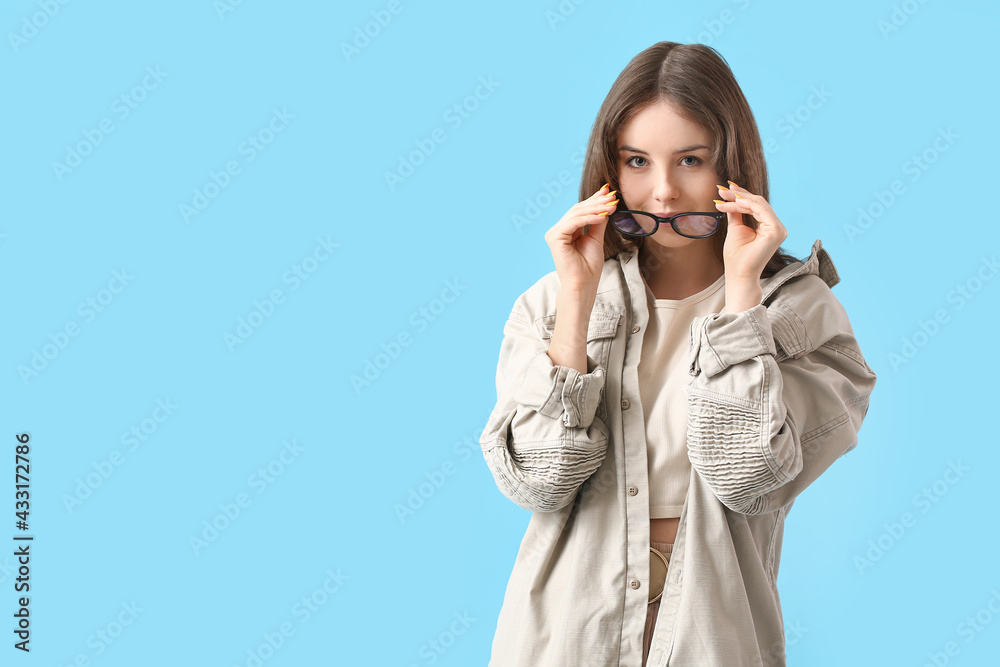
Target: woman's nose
{"x":665,"y":189}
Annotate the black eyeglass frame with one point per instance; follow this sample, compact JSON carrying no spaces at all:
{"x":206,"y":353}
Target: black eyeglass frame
{"x":718,"y":215}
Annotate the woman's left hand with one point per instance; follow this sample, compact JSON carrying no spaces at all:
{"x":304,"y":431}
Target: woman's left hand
{"x":746,"y":252}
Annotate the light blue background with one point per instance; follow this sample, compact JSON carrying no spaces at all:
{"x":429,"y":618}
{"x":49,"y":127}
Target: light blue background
{"x":334,"y":506}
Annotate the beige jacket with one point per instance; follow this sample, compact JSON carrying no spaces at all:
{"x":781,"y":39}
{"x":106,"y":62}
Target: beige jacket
{"x":777,"y":394}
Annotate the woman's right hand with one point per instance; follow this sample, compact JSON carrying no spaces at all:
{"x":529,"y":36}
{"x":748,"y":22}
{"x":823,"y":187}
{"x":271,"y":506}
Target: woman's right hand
{"x":579,"y":257}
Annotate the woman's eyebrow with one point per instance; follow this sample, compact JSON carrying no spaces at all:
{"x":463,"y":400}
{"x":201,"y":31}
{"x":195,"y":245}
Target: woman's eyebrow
{"x":687,"y":149}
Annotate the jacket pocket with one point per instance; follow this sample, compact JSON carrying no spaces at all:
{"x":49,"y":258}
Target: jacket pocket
{"x":601,"y":331}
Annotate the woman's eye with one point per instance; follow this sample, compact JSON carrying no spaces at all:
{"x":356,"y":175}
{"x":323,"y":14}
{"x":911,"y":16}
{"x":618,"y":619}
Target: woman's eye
{"x":695,"y":161}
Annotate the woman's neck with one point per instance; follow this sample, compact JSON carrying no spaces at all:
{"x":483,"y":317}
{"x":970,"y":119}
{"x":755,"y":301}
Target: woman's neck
{"x":677,"y":273}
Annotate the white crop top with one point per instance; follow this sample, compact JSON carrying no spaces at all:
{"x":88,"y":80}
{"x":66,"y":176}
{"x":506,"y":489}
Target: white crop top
{"x":663,"y":381}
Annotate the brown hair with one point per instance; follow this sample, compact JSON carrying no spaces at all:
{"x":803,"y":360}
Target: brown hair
{"x":697,"y":81}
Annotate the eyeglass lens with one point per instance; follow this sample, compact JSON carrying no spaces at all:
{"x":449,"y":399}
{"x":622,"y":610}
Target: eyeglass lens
{"x":642,"y":224}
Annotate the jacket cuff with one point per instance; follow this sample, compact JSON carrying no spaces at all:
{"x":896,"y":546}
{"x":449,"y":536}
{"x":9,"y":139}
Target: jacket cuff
{"x":721,"y":340}
{"x":562,"y":392}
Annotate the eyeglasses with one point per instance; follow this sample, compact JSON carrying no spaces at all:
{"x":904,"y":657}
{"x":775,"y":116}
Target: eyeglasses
{"x":692,"y":225}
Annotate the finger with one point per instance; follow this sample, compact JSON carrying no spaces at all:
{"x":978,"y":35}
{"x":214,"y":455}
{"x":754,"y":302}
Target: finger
{"x":595,"y":214}
{"x":595,"y":230}
{"x":603,"y":190}
{"x":741,"y":204}
{"x":726,"y":193}
{"x":743,"y":192}
{"x":598,"y":204}
{"x":604,"y":196}
{"x":606,"y":208}
{"x":761,"y":211}
{"x":731,"y":204}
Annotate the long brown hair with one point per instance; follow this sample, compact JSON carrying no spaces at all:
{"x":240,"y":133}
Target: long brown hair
{"x":695,"y":79}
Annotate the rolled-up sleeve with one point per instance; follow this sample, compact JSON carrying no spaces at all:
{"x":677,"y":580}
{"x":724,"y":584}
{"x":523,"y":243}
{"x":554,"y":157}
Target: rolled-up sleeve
{"x":760,"y":431}
{"x":543,"y":438}
{"x":731,"y":338}
{"x":561,"y":392}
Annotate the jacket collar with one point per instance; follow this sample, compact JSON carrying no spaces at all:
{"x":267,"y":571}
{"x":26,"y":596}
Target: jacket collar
{"x":819,"y":263}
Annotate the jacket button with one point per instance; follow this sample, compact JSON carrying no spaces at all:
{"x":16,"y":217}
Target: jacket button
{"x":632,"y":490}
{"x":625,"y":403}
{"x":634,"y":584}
{"x":635,"y":329}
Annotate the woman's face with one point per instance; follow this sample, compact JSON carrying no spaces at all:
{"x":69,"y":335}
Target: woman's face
{"x":664,"y":168}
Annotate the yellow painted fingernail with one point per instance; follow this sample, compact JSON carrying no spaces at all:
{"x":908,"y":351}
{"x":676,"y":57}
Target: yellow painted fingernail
{"x":719,"y":201}
{"x":604,"y":213}
{"x":722,"y":187}
{"x":611,"y":193}
{"x":735,"y":184}
{"x":737,"y":196}
{"x":612,"y":203}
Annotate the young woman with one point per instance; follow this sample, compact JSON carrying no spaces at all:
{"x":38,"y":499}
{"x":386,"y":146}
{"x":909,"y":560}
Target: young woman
{"x":667,"y":392}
